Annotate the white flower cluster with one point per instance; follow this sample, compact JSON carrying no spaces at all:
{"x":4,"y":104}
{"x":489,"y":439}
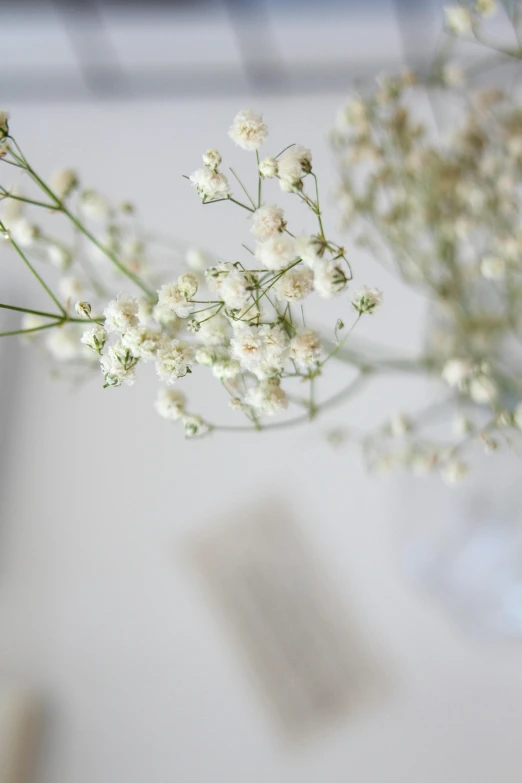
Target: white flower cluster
{"x":242,"y":322}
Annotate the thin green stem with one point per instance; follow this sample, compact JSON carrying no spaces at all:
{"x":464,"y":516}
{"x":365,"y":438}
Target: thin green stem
{"x":32,"y":329}
{"x":32,"y":269}
{"x":245,"y":191}
{"x":32,"y":312}
{"x":5,"y":194}
{"x":259,"y":182}
{"x":240,"y":204}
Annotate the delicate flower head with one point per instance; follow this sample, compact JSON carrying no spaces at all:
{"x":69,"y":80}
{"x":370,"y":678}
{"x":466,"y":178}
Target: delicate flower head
{"x":305,"y":348}
{"x":4,"y":123}
{"x":171,"y":297}
{"x":329,"y":279}
{"x":267,"y":398}
{"x":70,"y":287}
{"x":267,"y":221}
{"x":226,"y":369}
{"x":486,"y":8}
{"x":235,"y":288}
{"x":482,"y":389}
{"x":118,"y":365}
{"x":193,"y":425}
{"x":454,"y":471}
{"x":458,"y":19}
{"x":59,"y":256}
{"x":24,"y":233}
{"x":94,"y":205}
{"x":173,"y":360}
{"x":248,"y":130}
{"x":295,"y":285}
{"x":121,"y":313}
{"x":367,"y":300}
{"x":32,"y":323}
{"x":62,"y":343}
{"x":456,"y":372}
{"x":214,"y":331}
{"x":63,"y":182}
{"x":83,"y":309}
{"x":188,"y":285}
{"x":142,"y":341}
{"x":308,"y":249}
{"x":277,"y":252}
{"x":293,"y":165}
{"x":212,"y":159}
{"x":94,"y":338}
{"x":210,"y":184}
{"x":260,"y":349}
{"x":268,"y":168}
{"x":170,"y":404}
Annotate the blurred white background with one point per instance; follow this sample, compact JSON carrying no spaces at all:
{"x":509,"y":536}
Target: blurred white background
{"x":101,"y":615}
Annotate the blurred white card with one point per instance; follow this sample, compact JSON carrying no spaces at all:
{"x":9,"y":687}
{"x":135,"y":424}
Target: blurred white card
{"x":18,"y":724}
{"x":268,"y":583}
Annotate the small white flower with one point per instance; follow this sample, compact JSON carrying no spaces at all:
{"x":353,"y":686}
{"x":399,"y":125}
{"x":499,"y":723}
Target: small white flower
{"x":367,"y":300}
{"x":142,"y":341}
{"x":277,"y":252}
{"x":212,"y":159}
{"x":493,"y":268}
{"x":121,"y":313}
{"x":94,"y":338}
{"x":188,"y":285}
{"x":205,"y":356}
{"x":261,"y":350}
{"x":165,"y":317}
{"x":456,"y":372}
{"x":173,"y":360}
{"x":70,"y":287}
{"x":59,"y":256}
{"x":307,"y":249}
{"x":24,"y":233}
{"x":63,"y":182}
{"x":118,"y":365}
{"x":4,"y":123}
{"x":458,"y":19}
{"x":170,"y":404}
{"x":214,"y":331}
{"x":268,"y":168}
{"x":94,"y":206}
{"x":305,"y":348}
{"x":193,"y":425}
{"x":462,"y":426}
{"x":453,"y":75}
{"x":32,"y":321}
{"x":83,"y":309}
{"x":210,"y":184}
{"x":170,"y":297}
{"x":267,"y":221}
{"x":62,"y":343}
{"x":267,"y":398}
{"x":295,"y":285}
{"x":195,"y":259}
{"x":483,"y":390}
{"x":236,"y":288}
{"x":226,"y":369}
{"x":293,"y":165}
{"x":329,"y":279}
{"x":248,"y":130}
{"x":486,"y":8}
{"x":454,"y":471}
